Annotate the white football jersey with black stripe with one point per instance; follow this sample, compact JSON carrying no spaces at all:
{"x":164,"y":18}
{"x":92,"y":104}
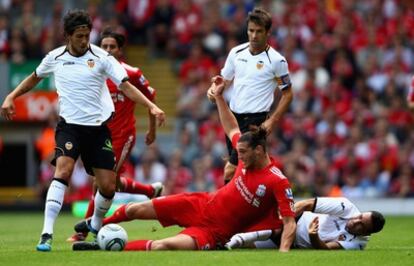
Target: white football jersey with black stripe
{"x":333,"y":215}
{"x":80,"y":81}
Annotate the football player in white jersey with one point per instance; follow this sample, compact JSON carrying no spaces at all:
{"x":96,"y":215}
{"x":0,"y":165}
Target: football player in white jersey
{"x":80,"y":70}
{"x":255,"y":70}
{"x":322,"y":223}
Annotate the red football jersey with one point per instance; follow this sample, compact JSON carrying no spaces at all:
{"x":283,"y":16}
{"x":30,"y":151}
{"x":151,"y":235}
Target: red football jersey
{"x":123,"y":122}
{"x":249,"y":198}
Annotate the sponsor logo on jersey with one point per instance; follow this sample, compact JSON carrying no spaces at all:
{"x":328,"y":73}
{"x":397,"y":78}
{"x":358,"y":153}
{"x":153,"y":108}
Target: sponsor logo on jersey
{"x":342,"y":237}
{"x":68,"y":63}
{"x":108,"y":145}
{"x":91,"y":63}
{"x":117,"y":97}
{"x":260,"y":64}
{"x":242,"y":59}
{"x":244,"y":191}
{"x":68,"y":145}
{"x":261,"y":190}
{"x":289,"y":193}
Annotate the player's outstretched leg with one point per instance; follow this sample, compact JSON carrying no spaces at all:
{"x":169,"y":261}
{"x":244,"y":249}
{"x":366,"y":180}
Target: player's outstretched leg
{"x":129,"y":185}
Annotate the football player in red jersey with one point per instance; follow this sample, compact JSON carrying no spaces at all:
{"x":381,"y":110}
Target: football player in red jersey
{"x":122,"y":125}
{"x":257,"y":191}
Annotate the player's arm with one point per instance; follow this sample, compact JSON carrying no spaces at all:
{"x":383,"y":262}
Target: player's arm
{"x":281,"y":109}
{"x":338,"y":206}
{"x":7,"y":108}
{"x":304,"y":205}
{"x":210,"y":91}
{"x":316,"y":242}
{"x":152,"y":129}
{"x":227,"y":119}
{"x":288,"y":234}
{"x":284,"y":197}
{"x":136,"y":96}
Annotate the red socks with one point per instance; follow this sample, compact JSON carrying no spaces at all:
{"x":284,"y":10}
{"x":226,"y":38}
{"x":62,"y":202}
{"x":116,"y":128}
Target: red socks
{"x":118,"y":216}
{"x":143,"y":245}
{"x":133,"y":187}
{"x":91,"y":207}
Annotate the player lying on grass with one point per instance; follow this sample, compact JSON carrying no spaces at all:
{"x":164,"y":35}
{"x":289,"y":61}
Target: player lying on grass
{"x":322,"y":223}
{"x":256,"y":192}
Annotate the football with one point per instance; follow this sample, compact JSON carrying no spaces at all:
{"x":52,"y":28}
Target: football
{"x":112,"y":237}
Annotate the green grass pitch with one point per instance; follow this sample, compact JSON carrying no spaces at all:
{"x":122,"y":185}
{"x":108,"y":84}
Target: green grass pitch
{"x":19,"y":233}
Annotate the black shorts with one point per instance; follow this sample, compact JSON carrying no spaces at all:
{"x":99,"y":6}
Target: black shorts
{"x":244,"y":121}
{"x":92,"y":143}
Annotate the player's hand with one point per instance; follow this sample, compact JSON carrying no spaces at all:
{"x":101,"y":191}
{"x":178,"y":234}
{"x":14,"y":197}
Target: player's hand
{"x":314,"y":226}
{"x":8,"y":109}
{"x":218,"y":86}
{"x":267,"y":125}
{"x":210,"y":95}
{"x":159,"y":115}
{"x":149,"y":137}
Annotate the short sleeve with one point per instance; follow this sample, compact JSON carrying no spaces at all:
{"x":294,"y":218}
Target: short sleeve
{"x":46,"y":67}
{"x":340,"y":207}
{"x":114,"y":70}
{"x":282,"y":74}
{"x":284,"y":197}
{"x":355,"y":244}
{"x":227,"y":72}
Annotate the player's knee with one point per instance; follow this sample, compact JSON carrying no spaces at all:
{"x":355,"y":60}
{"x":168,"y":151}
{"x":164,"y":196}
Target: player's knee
{"x":136,"y":210}
{"x":64,"y":171}
{"x":107,"y":189}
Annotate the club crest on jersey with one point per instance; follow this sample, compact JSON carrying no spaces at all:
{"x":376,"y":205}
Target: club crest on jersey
{"x":261,"y":190}
{"x":289,"y":193}
{"x":68,"y":145}
{"x":260,"y":64}
{"x":91,"y":63}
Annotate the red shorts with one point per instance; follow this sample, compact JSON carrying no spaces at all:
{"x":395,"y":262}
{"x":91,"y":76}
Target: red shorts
{"x":186,"y":210}
{"x":270,"y":221}
{"x":122,"y":147}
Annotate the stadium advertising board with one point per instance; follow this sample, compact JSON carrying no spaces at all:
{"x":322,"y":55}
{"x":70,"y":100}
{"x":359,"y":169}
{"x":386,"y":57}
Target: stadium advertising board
{"x":39,"y":102}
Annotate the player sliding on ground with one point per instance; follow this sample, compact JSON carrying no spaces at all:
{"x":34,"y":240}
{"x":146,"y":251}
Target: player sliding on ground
{"x":322,"y":223}
{"x":257,"y":190}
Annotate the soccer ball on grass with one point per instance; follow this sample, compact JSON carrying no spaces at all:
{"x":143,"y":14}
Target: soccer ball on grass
{"x":112,"y":237}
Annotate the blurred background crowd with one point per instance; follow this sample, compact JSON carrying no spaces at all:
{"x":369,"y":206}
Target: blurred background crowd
{"x":348,"y":131}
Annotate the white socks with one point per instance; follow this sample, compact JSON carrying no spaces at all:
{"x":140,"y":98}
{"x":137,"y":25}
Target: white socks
{"x":53,"y":205}
{"x":248,"y":239}
{"x":102,"y":206}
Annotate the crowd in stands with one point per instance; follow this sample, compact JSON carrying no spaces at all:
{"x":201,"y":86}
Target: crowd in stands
{"x":348,"y":131}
